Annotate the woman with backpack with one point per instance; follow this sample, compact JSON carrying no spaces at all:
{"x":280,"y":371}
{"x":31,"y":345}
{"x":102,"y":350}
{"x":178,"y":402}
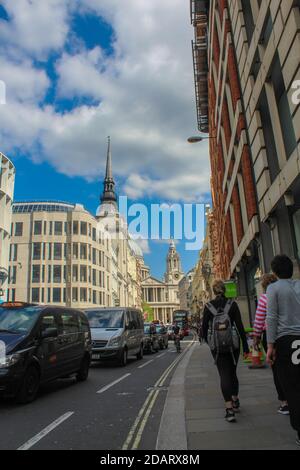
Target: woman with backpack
{"x":222,"y":330}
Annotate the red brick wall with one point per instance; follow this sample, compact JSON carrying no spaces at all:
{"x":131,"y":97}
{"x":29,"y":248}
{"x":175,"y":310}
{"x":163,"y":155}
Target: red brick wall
{"x":223,"y":229}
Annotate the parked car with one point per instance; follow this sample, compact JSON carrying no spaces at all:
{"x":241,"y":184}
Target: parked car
{"x":163,"y":337}
{"x":117,"y":333}
{"x":151,"y":342}
{"x":42,"y":343}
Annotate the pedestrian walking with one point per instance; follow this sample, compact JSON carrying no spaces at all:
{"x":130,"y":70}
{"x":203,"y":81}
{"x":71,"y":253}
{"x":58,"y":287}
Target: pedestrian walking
{"x":260,"y":336}
{"x":222,"y":330}
{"x":283,"y":334}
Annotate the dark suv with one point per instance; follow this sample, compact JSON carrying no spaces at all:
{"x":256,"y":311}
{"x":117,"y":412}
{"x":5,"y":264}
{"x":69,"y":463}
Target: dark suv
{"x":41,"y":344}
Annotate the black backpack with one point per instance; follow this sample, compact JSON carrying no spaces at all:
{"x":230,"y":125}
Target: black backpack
{"x":222,"y":335}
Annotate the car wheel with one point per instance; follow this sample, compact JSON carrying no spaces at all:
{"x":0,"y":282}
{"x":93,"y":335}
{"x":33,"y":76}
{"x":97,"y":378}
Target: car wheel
{"x":167,"y":344}
{"x":140,"y":354}
{"x":83,"y":372}
{"x":124,"y":358}
{"x":30,"y":386}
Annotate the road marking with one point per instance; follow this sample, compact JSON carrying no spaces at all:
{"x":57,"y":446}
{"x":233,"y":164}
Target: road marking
{"x":161,"y":355}
{"x":102,"y":390}
{"x":143,"y":416}
{"x":144,"y":422}
{"x":46,"y":431}
{"x":144,"y":365}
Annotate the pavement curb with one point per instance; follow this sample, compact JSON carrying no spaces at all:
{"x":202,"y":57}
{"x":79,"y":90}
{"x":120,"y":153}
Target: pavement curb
{"x":172,"y":433}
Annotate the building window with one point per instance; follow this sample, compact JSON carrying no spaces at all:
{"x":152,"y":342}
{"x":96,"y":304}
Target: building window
{"x":94,"y":256}
{"x":74,"y":294}
{"x":83,"y":228}
{"x":83,"y":274}
{"x":18,"y":229}
{"x":36,"y":273}
{"x":49,"y":275}
{"x":50,"y":228}
{"x":58,"y":228}
{"x":35,"y":295}
{"x":57,"y":251}
{"x":83,"y":295}
{"x":56,"y":295}
{"x":36,"y":251}
{"x":49,"y":251}
{"x":38,"y":227}
{"x":75,"y":273}
{"x":75,"y":250}
{"x":13,"y":252}
{"x":57,"y":274}
{"x":94,"y":297}
{"x":13,"y":275}
{"x":83,"y":251}
{"x":75,"y":228}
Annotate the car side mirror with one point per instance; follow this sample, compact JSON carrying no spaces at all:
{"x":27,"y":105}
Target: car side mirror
{"x":49,"y":333}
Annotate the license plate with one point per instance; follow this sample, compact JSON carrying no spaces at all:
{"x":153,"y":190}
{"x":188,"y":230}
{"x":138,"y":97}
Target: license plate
{"x":96,"y":357}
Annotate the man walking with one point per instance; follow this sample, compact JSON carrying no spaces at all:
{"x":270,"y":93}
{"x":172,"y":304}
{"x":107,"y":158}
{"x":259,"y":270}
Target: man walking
{"x":283,"y":334}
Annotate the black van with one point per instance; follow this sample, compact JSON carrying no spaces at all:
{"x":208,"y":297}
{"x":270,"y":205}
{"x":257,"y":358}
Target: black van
{"x":41,"y":344}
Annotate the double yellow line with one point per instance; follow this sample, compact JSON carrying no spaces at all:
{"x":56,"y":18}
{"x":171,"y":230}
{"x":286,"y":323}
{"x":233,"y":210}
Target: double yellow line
{"x":136,"y":432}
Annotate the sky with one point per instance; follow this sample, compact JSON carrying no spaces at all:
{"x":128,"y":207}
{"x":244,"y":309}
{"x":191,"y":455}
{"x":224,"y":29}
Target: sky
{"x":77,"y":71}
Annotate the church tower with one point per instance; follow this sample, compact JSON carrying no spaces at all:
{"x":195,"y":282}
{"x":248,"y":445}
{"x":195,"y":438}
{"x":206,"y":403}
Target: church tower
{"x":109,"y":204}
{"x":174,"y":272}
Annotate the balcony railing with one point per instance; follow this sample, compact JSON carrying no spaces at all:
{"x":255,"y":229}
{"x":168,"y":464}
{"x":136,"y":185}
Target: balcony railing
{"x":199,"y":19}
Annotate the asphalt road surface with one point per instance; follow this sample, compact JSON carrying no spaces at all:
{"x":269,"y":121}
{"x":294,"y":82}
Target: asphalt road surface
{"x":117,"y":408}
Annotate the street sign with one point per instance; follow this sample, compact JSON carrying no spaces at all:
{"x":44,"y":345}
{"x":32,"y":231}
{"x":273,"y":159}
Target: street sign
{"x":231,"y":290}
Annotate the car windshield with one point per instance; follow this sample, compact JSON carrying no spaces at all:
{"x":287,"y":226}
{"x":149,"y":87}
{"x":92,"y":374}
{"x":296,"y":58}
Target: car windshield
{"x":18,"y":320}
{"x":106,"y":319}
{"x":160,"y":329}
{"x":147,"y":329}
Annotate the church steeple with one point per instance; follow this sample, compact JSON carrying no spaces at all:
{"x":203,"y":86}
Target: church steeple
{"x":109,"y":196}
{"x":173,"y":272}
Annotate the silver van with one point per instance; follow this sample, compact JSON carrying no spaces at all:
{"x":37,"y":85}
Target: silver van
{"x":117,"y":333}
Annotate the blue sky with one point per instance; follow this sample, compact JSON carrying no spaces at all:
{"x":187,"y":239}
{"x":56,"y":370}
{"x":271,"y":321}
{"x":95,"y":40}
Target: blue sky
{"x":78,"y":71}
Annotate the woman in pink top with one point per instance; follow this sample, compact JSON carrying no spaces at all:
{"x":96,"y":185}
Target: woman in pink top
{"x":261,"y":336}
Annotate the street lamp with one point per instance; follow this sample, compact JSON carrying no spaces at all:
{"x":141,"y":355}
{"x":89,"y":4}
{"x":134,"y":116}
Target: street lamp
{"x":196,"y":139}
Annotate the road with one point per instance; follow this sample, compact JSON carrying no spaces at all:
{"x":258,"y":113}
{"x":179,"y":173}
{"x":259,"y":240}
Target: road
{"x":117,"y":408}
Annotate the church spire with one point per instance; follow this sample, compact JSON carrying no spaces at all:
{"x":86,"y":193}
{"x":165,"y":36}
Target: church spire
{"x":109,"y":195}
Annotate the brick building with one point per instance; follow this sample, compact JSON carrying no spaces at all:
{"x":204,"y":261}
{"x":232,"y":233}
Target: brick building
{"x":247,"y":63}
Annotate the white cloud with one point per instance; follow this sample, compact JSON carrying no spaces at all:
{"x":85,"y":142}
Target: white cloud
{"x":145,"y":96}
{"x":144,"y":245}
{"x":24,"y":83}
{"x":36,"y":27}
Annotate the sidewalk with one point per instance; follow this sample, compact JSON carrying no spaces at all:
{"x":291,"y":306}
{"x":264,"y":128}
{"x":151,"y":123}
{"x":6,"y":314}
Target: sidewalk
{"x":258,"y":426}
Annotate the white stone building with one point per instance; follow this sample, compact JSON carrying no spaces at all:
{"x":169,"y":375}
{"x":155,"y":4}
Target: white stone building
{"x":163,"y":296}
{"x":7,"y":181}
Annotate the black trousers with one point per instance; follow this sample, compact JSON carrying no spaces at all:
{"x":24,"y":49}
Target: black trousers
{"x":280,"y":392}
{"x":227,"y":371}
{"x":289,"y":375}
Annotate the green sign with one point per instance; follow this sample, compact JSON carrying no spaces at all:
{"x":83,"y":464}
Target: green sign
{"x":231,"y":290}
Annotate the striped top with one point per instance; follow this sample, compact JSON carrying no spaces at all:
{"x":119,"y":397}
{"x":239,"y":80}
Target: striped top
{"x":260,"y":316}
